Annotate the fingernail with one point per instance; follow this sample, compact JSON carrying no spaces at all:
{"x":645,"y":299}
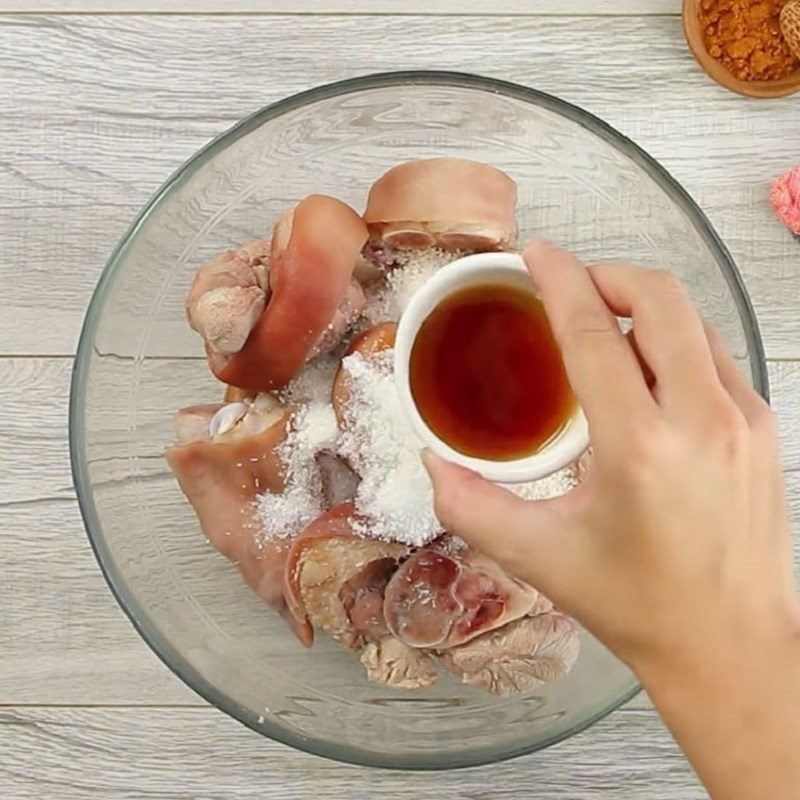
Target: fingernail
{"x":534,"y":255}
{"x":434,"y":463}
{"x":428,"y":458}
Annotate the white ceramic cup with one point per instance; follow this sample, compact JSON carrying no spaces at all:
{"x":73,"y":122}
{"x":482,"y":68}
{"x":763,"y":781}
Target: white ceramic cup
{"x":479,"y":270}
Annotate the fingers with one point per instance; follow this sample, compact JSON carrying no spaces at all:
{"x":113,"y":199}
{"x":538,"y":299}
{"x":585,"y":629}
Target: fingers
{"x":649,"y":378}
{"x":750,"y":402}
{"x":600,"y":364}
{"x":669,"y":334}
{"x":526,"y":538}
{"x":761,"y":422}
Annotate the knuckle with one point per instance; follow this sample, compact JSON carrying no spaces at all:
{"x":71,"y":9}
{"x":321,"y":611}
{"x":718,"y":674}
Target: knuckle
{"x":726,"y":416}
{"x":727,"y":423}
{"x":647,"y":443}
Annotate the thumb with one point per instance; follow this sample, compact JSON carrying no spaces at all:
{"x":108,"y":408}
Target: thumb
{"x":527,"y":538}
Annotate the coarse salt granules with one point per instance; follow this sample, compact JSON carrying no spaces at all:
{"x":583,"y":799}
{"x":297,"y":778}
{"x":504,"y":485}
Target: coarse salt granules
{"x":395,"y":496}
{"x":312,"y":429}
{"x":313,"y":383}
{"x":387,"y":299}
{"x":546,"y":488}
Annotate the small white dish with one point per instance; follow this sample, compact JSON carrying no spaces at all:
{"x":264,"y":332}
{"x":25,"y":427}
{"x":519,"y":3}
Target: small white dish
{"x":479,"y":270}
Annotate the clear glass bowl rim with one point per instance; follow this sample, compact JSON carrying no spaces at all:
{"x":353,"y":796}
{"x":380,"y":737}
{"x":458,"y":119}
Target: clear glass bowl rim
{"x":77,"y":441}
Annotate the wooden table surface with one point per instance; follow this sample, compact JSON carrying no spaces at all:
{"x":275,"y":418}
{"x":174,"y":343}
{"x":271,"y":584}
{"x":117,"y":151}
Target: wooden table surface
{"x":99,"y":101}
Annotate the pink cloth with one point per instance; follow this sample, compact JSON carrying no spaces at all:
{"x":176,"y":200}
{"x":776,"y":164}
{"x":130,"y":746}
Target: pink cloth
{"x":785,"y":199}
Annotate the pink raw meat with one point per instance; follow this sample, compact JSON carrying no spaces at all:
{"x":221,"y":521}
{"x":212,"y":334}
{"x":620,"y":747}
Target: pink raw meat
{"x":221,"y":477}
{"x":336,"y":579}
{"x":439,"y":599}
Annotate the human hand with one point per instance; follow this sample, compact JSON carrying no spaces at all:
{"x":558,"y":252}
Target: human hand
{"x":677,"y":543}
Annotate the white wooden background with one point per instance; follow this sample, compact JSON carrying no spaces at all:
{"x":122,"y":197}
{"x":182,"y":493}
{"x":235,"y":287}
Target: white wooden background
{"x":99,"y":101}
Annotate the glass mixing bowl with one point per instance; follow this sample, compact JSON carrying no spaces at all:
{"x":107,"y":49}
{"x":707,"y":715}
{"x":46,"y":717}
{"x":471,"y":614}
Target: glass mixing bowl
{"x":580,"y":183}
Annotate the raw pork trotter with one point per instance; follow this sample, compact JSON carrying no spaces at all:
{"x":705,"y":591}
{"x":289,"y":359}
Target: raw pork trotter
{"x":336,"y":580}
{"x":451,"y":203}
{"x":221,"y":474}
{"x":260,"y":325}
{"x":444,"y":596}
{"x":519,"y":656}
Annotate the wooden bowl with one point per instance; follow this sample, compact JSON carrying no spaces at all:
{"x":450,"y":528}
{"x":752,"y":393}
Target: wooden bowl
{"x":694,"y":36}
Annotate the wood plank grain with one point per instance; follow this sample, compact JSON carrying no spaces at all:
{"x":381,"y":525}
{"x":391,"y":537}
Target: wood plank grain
{"x":88,"y":130}
{"x":177,"y":753}
{"x":406,"y":7}
{"x":40,"y":387}
{"x":62,"y":637}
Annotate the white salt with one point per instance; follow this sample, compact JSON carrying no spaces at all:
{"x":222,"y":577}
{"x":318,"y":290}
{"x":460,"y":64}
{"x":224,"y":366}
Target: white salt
{"x":451,"y":545}
{"x":313,"y":383}
{"x":395,"y":496}
{"x":387,"y":299}
{"x":552,"y":486}
{"x":312,"y":429}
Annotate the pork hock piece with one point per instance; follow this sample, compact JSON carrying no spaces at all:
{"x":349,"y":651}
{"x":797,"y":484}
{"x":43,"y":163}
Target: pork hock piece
{"x":451,"y":203}
{"x":228,"y":296}
{"x":443,"y":596}
{"x":226,"y":455}
{"x":336,"y":580}
{"x":397,"y":665}
{"x":266,"y":308}
{"x":520,"y":656}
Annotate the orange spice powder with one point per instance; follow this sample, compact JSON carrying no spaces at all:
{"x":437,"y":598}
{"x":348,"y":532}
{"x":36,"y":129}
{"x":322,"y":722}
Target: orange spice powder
{"x":745,"y":37}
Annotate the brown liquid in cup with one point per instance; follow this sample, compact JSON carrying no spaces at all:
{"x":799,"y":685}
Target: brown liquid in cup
{"x":487,"y":376}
